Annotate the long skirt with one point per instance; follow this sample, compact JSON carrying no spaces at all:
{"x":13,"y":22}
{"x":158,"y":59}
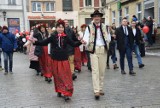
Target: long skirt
{"x":84,"y":57}
{"x":63,"y":77}
{"x":77,"y":59}
{"x":45,"y":63}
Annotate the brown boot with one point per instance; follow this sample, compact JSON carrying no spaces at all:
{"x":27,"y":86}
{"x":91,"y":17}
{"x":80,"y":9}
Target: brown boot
{"x":101,"y":93}
{"x":115,"y":66}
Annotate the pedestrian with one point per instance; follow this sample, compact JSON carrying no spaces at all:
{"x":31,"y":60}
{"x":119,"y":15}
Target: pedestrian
{"x":71,"y":35}
{"x":137,"y":39}
{"x":125,"y":41}
{"x":82,"y":47}
{"x":1,"y":52}
{"x":112,"y":47}
{"x":61,"y":67}
{"x":77,"y":53}
{"x":96,"y":40}
{"x":149,"y":23}
{"x":34,"y":62}
{"x":42,"y":53}
{"x":8,"y":46}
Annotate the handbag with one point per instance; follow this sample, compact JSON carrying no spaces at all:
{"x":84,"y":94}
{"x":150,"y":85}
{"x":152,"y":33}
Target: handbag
{"x":38,"y":51}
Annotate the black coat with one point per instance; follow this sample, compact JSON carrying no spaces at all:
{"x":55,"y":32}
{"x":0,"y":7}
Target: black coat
{"x":72,"y":37}
{"x":58,"y":53}
{"x":137,"y":37}
{"x":120,"y":36}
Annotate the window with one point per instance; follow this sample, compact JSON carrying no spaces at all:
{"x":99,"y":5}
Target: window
{"x":49,"y":6}
{"x":113,"y":17}
{"x":12,"y":2}
{"x":127,"y":12}
{"x":120,"y":16}
{"x":36,"y":6}
{"x":139,"y":11}
{"x":67,"y":5}
{"x":88,"y":2}
{"x":71,"y":22}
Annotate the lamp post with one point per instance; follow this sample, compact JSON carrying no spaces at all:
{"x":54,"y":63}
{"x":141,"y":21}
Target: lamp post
{"x":4,"y":14}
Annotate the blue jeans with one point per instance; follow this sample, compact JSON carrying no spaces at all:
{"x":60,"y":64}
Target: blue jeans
{"x":8,"y":56}
{"x":137,"y":52}
{"x":128,"y":52}
{"x":113,"y":56}
{"x":0,"y":59}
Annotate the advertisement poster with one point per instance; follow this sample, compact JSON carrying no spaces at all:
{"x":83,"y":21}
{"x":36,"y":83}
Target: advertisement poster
{"x":13,"y":24}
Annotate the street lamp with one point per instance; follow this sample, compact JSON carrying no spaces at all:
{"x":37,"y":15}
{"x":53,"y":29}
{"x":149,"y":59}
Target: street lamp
{"x":4,"y":14}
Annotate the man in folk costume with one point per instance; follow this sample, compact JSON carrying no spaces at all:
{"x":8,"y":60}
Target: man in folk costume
{"x":96,"y":40}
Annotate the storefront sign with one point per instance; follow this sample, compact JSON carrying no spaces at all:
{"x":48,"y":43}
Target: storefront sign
{"x":13,"y":24}
{"x":43,"y":17}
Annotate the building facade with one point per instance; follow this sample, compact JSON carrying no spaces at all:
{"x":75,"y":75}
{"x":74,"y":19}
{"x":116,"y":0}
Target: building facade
{"x":48,"y":11}
{"x":117,"y":9}
{"x":86,"y":7}
{"x":12,"y":14}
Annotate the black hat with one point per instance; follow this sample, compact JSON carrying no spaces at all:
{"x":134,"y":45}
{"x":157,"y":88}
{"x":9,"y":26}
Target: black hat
{"x":96,"y":12}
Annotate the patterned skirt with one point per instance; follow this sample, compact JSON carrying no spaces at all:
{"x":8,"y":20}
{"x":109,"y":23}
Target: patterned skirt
{"x":62,"y":77}
{"x":77,"y":59}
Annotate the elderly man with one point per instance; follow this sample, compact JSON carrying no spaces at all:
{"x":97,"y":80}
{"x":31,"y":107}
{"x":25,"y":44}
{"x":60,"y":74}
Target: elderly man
{"x":97,"y":39}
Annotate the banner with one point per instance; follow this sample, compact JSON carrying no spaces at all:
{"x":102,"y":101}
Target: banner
{"x":13,"y":24}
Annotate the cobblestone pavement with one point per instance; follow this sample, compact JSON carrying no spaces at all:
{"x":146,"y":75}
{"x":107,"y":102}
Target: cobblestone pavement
{"x":24,"y":89}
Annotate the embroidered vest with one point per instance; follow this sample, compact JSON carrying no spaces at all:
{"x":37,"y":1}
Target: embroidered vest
{"x":93,"y":36}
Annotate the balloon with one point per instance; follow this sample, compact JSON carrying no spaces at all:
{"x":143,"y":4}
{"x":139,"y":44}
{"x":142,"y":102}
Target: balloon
{"x":145,"y":29}
{"x":27,"y":32}
{"x":27,"y":37}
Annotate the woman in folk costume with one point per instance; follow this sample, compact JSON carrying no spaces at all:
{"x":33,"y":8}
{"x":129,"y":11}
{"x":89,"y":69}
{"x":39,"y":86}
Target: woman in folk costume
{"x":61,"y":67}
{"x":42,"y":53}
{"x":82,"y":47}
{"x":34,"y":62}
{"x":77,"y":53}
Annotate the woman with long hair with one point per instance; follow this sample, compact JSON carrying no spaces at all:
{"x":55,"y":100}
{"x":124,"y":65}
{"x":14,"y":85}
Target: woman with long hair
{"x":42,"y":53}
{"x":61,"y":67}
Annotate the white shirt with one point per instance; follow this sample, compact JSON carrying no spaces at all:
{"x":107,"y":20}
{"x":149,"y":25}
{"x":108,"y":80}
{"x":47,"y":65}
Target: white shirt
{"x":125,"y":31}
{"x":134,"y":31}
{"x":99,"y":39}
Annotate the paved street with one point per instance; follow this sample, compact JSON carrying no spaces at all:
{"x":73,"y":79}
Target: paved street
{"x":24,"y":89}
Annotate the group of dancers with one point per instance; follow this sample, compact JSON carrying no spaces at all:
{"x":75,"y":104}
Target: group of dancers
{"x":59,"y":52}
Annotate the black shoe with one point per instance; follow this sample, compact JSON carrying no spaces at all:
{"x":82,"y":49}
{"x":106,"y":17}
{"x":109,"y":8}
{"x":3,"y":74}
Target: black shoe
{"x":74,"y":76}
{"x":66,"y":98}
{"x":90,"y":69}
{"x":97,"y":97}
{"x":132,"y":73}
{"x":46,"y":79}
{"x":123,"y":72}
{"x":42,"y":74}
{"x":6,"y":73}
{"x":141,"y":65}
{"x":79,"y":71}
{"x":59,"y":95}
{"x":49,"y":80}
{"x":115,"y":66}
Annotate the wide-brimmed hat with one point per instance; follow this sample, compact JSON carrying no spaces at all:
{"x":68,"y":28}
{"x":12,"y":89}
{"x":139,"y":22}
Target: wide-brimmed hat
{"x":96,"y":12}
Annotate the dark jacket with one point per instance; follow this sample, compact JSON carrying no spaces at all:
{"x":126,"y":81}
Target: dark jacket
{"x":137,"y":37}
{"x":8,"y":42}
{"x":120,"y":36}
{"x":72,"y":37}
{"x":57,"y":52}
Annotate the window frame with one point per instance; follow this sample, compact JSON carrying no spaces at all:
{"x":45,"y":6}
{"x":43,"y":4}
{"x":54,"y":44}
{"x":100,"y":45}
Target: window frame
{"x":84,"y":3}
{"x":114,"y":16}
{"x":127,"y":14}
{"x":50,"y":9}
{"x":10,"y":2}
{"x":139,"y":12}
{"x":36,"y":6}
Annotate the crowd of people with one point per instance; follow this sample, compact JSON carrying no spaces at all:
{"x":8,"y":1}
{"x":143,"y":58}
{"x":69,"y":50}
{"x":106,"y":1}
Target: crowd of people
{"x":60,"y":52}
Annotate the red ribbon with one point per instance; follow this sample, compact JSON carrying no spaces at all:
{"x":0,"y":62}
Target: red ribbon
{"x":62,"y":35}
{"x":97,"y":26}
